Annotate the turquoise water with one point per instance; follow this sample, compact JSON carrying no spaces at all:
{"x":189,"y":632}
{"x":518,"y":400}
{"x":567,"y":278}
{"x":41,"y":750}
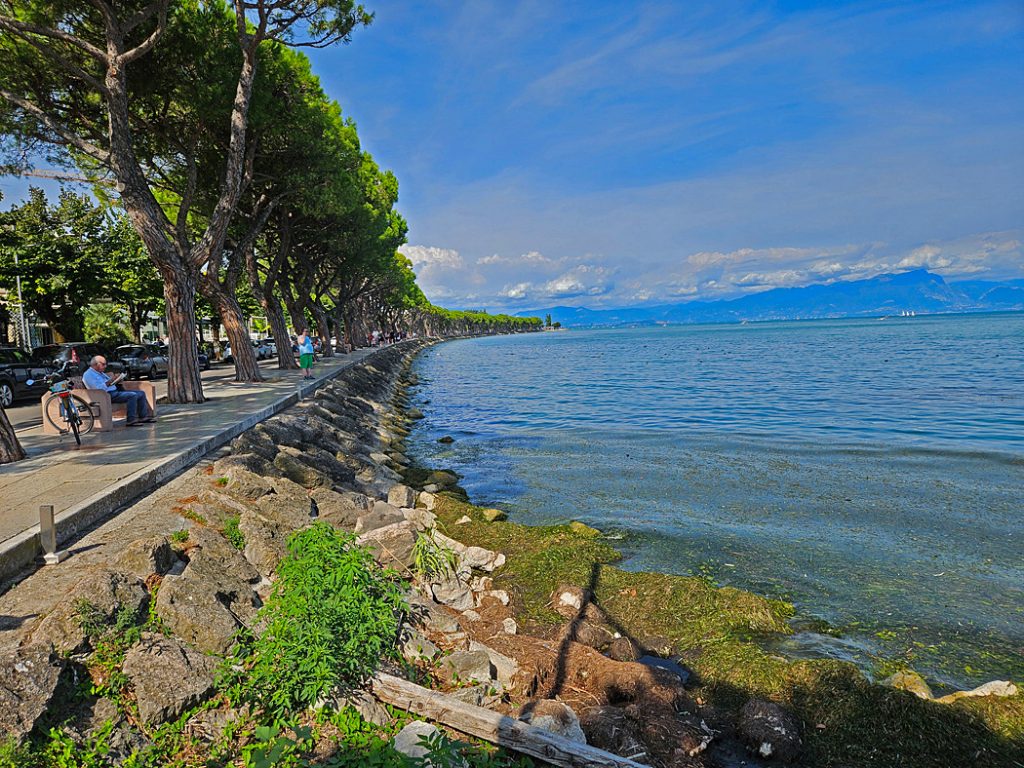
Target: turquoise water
{"x":871,"y":472}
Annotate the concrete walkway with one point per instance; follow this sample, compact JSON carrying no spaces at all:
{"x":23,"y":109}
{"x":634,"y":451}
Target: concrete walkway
{"x":110,"y":469}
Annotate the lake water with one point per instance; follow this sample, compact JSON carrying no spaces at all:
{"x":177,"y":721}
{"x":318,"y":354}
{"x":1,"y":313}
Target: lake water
{"x":871,"y":472}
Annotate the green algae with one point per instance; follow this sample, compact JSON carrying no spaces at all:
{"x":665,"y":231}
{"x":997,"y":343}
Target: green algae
{"x":720,"y":633}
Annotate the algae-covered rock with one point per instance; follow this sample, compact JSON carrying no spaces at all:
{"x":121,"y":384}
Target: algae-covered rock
{"x":582,"y":529}
{"x":908,"y":680}
{"x":493,"y":515}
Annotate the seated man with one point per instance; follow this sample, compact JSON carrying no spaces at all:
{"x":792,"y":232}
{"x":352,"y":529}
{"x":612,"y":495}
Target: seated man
{"x":138,"y":407}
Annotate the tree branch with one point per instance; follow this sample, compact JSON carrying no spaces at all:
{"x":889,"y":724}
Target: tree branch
{"x":99,"y":155}
{"x":22,"y":29}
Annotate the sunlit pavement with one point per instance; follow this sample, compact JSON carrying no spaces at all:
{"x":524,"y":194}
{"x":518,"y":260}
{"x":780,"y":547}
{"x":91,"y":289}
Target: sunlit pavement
{"x":87,"y":483}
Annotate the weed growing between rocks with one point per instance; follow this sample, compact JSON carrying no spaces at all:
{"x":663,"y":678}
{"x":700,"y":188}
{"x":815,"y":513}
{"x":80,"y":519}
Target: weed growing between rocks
{"x":332,"y":616}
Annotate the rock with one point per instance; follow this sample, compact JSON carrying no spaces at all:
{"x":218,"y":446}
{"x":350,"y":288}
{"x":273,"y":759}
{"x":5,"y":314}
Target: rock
{"x":463,"y":520}
{"x":479,"y":695}
{"x":454,"y":593}
{"x":246,"y":475}
{"x":320,"y":461}
{"x":554,"y":716}
{"x":908,"y":680}
{"x":589,"y":633}
{"x":168,"y":676}
{"x":401,"y":496}
{"x":481,"y":583}
{"x":505,"y":667}
{"x":362,"y":702}
{"x":415,"y":646}
{"x":341,"y":508}
{"x":421,"y":518}
{"x":265,"y":544}
{"x":205,"y":606}
{"x":302,"y":473}
{"x":991,"y":688}
{"x":414,"y":413}
{"x":472,"y":615}
{"x":510,"y":626}
{"x":769,"y":730}
{"x":468,"y":666}
{"x":257,"y":441}
{"x":442,"y":478}
{"x":382,"y":514}
{"x":428,"y":500}
{"x":146,"y":556}
{"x":409,"y":740}
{"x":208,"y":725}
{"x":569,"y":601}
{"x":582,"y":529}
{"x":624,"y":649}
{"x":432,"y":489}
{"x":447,"y":440}
{"x":655,"y":645}
{"x":216,"y":556}
{"x":498,"y":595}
{"x":493,"y":515}
{"x":392,"y":545}
{"x":471,"y":557}
{"x":425,"y":613}
{"x":27,"y":686}
{"x":107,"y":593}
{"x":380,"y":458}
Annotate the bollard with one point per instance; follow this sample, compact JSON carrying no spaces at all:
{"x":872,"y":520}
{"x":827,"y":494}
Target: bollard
{"x":48,"y":536}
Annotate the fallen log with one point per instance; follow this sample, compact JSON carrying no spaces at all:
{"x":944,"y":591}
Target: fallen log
{"x":492,"y":726}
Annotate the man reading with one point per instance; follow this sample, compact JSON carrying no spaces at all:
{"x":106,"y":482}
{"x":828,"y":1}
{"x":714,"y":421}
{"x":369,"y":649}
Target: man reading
{"x":95,"y":377}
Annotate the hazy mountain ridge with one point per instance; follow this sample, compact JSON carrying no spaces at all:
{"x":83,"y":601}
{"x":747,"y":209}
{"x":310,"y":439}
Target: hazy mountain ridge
{"x":917,"y":291}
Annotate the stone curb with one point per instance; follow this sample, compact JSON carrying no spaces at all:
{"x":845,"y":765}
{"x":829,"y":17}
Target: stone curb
{"x":23,"y":549}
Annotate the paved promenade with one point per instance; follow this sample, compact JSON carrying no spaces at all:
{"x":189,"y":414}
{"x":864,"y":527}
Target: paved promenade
{"x":111,"y":469}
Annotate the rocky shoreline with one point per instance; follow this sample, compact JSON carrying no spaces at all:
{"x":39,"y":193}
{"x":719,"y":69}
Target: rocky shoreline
{"x":536,"y":624}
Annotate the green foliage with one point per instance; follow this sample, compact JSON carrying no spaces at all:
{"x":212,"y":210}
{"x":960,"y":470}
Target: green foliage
{"x":179,"y":537}
{"x":61,"y":751}
{"x":13,"y":755}
{"x":273,"y":748}
{"x":330,"y":618}
{"x":105,"y":324}
{"x":431,"y":559}
{"x":233,"y":534}
{"x":110,"y":644}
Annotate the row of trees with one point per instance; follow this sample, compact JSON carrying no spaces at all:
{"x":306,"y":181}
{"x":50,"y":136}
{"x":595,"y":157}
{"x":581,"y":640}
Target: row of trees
{"x":203,"y":123}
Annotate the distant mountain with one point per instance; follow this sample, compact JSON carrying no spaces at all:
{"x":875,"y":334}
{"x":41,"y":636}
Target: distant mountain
{"x":917,"y":291}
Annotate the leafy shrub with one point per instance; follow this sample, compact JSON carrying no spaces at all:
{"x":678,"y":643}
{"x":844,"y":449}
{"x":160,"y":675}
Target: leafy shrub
{"x":431,"y":559}
{"x":233,"y":534}
{"x":332,"y":614}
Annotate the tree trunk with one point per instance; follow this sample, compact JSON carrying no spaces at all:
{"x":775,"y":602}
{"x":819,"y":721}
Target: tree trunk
{"x":323,"y":328}
{"x":246,"y":366}
{"x":10,"y":448}
{"x":279,"y":328}
{"x":184,"y":384}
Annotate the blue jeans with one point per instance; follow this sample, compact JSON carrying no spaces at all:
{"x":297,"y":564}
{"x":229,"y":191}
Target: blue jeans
{"x":138,"y":406}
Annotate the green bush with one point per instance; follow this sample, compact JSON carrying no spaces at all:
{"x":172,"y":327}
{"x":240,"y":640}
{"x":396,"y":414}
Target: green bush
{"x":332,"y":614}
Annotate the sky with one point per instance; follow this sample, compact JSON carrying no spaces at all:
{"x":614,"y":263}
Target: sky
{"x":610,"y":154}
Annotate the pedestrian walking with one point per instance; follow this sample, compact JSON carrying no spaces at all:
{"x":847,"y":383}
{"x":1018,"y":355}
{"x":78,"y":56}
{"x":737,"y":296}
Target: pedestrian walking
{"x":305,"y":354}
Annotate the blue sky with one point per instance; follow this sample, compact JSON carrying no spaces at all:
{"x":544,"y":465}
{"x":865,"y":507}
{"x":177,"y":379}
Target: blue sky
{"x":606,"y":154}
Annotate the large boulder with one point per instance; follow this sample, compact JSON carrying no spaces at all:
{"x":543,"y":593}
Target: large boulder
{"x":168,"y":676}
{"x":341,"y":509}
{"x":215,"y":556}
{"x":409,"y":741}
{"x":769,"y":730}
{"x":96,"y":600}
{"x":206,"y":606}
{"x":381,"y":515}
{"x":298,"y":471}
{"x":505,"y":667}
{"x":454,"y":593}
{"x":146,"y":556}
{"x":27,"y":685}
{"x":257,"y":441}
{"x":468,"y":667}
{"x":908,"y":680}
{"x":392,"y":545}
{"x":245,"y":475}
{"x":400,"y":495}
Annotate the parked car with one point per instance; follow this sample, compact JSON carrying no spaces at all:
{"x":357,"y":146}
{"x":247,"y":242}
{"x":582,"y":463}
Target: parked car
{"x":140,"y":360}
{"x":77,"y":354}
{"x":203,"y":355}
{"x":16,"y":370}
{"x":262,"y":350}
{"x":271,"y":346}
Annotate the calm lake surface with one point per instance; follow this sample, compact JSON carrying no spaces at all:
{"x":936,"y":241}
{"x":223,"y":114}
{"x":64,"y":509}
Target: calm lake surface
{"x":871,"y":472}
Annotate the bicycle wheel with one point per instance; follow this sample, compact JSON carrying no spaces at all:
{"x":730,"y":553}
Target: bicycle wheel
{"x":60,"y":415}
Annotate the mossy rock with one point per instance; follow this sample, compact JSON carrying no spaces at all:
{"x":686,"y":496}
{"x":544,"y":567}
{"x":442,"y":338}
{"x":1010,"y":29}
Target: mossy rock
{"x":493,"y":515}
{"x":583,"y":529}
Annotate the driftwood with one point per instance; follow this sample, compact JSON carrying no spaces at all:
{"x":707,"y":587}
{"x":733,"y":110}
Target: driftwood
{"x":492,"y":726}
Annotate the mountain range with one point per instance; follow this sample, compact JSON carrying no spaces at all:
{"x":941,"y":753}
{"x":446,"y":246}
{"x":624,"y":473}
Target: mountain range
{"x":918,"y":291}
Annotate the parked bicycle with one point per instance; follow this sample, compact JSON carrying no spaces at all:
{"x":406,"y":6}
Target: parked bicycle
{"x":65,"y":411}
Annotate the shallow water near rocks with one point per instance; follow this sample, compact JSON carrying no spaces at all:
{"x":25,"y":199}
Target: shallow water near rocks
{"x":871,"y":472}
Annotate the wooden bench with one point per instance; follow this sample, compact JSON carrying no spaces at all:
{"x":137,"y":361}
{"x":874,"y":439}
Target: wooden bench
{"x":99,"y":400}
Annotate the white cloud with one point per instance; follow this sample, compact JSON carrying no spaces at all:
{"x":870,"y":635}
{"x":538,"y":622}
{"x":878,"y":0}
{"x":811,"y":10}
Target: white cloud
{"x":427,"y":256}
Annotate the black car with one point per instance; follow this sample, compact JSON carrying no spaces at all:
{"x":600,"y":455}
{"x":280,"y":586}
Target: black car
{"x":16,"y":370}
{"x":203,"y":356}
{"x":142,"y":360}
{"x":77,"y":354}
